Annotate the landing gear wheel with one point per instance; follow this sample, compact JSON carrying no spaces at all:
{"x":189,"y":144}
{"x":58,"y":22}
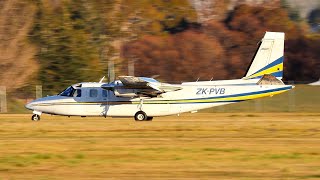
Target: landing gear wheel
{"x":149,"y":118}
{"x":35,"y":117}
{"x":140,"y":116}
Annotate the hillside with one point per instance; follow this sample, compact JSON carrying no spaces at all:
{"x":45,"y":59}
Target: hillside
{"x":304,"y":7}
{"x":18,"y":63}
{"x":215,"y":9}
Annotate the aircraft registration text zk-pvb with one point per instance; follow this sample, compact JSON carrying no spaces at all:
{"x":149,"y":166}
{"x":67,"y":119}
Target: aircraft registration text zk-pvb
{"x":202,"y":91}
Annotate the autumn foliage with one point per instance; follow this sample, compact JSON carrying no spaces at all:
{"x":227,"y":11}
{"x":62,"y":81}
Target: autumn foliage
{"x":178,"y":56}
{"x":224,"y":49}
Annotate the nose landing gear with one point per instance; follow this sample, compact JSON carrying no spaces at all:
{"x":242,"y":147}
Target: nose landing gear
{"x":35,"y":117}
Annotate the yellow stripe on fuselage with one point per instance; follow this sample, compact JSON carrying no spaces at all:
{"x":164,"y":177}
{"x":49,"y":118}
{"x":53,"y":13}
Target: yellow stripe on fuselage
{"x":236,"y":98}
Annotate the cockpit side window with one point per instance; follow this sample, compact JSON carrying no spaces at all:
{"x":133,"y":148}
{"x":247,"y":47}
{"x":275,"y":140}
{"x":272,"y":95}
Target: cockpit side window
{"x":77,"y":93}
{"x":68,"y":92}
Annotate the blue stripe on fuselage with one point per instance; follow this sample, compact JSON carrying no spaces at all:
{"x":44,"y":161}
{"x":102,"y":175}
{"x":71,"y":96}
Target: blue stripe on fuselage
{"x":235,"y":95}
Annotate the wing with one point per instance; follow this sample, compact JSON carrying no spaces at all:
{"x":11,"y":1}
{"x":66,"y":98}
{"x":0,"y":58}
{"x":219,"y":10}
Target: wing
{"x":147,"y":83}
{"x":136,"y":82}
{"x":143,"y":86}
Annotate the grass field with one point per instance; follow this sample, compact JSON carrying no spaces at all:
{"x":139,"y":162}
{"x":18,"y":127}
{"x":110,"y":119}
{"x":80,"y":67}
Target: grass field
{"x":192,"y":146}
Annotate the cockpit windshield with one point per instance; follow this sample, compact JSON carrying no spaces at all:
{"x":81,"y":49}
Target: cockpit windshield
{"x":67,"y":92}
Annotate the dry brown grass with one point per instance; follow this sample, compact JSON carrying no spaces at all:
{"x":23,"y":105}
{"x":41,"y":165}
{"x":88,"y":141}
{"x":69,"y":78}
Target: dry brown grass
{"x":192,"y":146}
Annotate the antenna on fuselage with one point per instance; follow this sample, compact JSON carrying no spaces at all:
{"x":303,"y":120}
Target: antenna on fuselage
{"x":102,"y":79}
{"x":155,"y":76}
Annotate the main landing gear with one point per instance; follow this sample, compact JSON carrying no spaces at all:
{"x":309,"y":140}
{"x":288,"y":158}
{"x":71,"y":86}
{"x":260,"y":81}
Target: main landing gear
{"x":142,"y":116}
{"x":35,"y":117}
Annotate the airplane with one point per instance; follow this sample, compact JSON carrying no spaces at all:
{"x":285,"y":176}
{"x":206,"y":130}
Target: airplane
{"x":144,"y":98}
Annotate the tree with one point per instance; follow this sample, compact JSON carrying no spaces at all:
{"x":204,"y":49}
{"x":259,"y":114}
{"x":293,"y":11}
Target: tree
{"x":68,"y":38}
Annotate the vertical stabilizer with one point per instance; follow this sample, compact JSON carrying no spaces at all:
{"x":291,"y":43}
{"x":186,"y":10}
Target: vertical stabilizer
{"x":269,"y":57}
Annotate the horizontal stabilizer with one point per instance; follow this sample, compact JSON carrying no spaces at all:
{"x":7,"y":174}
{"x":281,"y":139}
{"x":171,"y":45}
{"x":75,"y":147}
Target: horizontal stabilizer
{"x":269,"y":79}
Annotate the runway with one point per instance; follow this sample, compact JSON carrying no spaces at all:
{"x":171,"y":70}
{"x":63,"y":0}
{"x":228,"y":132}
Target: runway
{"x":191,"y":146}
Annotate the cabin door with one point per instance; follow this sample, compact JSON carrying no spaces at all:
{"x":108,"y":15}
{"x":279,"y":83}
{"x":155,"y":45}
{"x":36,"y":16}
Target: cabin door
{"x":94,"y":105}
{"x":105,"y":101}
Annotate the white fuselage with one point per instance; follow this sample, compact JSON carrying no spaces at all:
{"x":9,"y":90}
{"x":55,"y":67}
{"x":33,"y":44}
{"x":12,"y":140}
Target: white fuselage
{"x":96,"y":101}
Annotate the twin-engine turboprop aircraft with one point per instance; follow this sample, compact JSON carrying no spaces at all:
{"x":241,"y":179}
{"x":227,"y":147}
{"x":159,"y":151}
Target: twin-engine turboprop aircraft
{"x":144,"y":98}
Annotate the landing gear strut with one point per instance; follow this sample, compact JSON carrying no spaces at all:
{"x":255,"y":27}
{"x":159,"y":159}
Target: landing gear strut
{"x":35,"y":117}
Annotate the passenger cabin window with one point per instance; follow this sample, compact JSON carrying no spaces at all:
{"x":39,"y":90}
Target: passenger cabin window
{"x":93,"y":93}
{"x":104,"y":93}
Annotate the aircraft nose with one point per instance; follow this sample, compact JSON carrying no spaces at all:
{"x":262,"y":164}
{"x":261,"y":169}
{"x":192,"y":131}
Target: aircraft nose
{"x":28,"y":106}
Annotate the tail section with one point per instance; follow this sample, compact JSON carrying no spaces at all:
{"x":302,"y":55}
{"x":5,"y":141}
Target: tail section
{"x":268,"y":58}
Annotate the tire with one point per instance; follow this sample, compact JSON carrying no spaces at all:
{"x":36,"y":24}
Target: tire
{"x":35,"y":117}
{"x":149,"y":118}
{"x":140,"y":116}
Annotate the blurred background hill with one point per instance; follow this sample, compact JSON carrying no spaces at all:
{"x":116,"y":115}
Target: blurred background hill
{"x":57,"y":43}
